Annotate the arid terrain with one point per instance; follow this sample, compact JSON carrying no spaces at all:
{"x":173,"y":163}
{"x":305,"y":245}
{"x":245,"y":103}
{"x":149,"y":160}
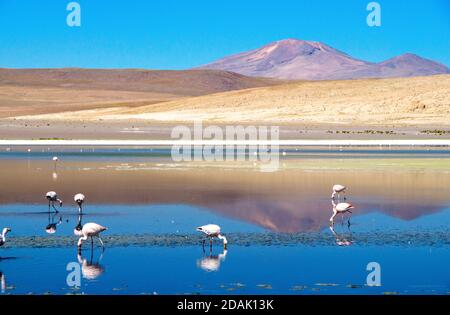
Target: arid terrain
{"x":48,"y":91}
{"x":80,"y":103}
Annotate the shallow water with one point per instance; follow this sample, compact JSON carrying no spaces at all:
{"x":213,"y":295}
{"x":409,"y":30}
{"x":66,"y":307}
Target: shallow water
{"x":276,"y":223}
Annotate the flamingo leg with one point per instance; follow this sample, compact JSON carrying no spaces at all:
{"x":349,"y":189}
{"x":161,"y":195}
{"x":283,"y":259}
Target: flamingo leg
{"x":210,"y":244}
{"x":101,"y":242}
{"x":332,"y":218}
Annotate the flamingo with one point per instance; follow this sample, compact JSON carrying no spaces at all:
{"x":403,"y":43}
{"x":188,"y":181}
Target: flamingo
{"x":79,"y":199}
{"x":212,"y":230}
{"x":55,"y":161}
{"x":5,"y":231}
{"x":338,"y":189}
{"x":341,"y":208}
{"x":52,"y":197}
{"x":90,"y":230}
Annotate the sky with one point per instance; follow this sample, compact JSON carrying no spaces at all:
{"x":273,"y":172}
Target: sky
{"x":180,"y":34}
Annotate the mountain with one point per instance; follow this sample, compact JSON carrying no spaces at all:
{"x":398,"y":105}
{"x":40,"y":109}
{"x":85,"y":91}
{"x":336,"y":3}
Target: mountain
{"x":307,"y":60}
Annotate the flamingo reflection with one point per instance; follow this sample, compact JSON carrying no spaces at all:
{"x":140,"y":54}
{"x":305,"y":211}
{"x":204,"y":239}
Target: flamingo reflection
{"x":89,"y":269}
{"x":52,"y":225}
{"x":341,"y":239}
{"x":212,"y":262}
{"x":2,"y":282}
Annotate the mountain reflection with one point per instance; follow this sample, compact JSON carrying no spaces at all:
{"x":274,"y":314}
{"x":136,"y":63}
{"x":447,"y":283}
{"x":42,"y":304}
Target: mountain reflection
{"x":289,"y":200}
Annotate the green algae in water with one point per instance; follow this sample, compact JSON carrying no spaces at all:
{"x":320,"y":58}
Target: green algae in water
{"x":376,"y":238}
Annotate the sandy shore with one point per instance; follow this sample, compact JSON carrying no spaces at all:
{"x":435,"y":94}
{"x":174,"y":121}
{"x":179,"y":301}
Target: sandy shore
{"x":146,"y":130}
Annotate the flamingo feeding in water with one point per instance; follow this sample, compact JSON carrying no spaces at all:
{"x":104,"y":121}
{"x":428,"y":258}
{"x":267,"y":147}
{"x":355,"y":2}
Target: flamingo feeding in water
{"x":5,"y":231}
{"x":79,"y":199}
{"x":337,"y":190}
{"x":212,"y":230}
{"x":55,"y":161}
{"x":52,"y":197}
{"x":341,"y":208}
{"x":90,"y":230}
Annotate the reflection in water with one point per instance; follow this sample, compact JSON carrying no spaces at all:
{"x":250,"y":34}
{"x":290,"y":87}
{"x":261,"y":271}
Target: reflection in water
{"x":341,"y":238}
{"x":52,"y":225}
{"x":55,"y":176}
{"x":78,"y":228}
{"x":271,"y":200}
{"x":90,"y":269}
{"x":211,"y":262}
{"x":2,"y":282}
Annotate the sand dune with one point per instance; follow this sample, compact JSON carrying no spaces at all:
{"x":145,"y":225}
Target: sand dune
{"x":418,"y":100}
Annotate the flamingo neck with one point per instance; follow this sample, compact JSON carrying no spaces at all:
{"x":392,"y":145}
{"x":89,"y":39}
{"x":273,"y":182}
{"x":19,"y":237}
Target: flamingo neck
{"x":4,"y":232}
{"x":220,"y":236}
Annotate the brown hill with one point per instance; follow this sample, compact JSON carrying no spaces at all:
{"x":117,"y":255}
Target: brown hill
{"x":418,"y":100}
{"x":39,"y":91}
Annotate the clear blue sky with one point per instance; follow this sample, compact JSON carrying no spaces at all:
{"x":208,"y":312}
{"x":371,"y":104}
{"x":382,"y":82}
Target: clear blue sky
{"x":176,"y":34}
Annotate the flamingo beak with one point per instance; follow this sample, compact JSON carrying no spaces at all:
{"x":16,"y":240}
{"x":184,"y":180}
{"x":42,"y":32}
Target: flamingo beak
{"x":225,"y":246}
{"x":199,"y":229}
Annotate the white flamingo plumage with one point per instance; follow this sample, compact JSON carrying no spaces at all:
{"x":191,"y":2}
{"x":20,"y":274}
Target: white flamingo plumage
{"x":5,"y":231}
{"x":212,"y":230}
{"x":79,"y":199}
{"x":340,"y":208}
{"x":90,"y":230}
{"x":337,"y":190}
{"x":52,"y":197}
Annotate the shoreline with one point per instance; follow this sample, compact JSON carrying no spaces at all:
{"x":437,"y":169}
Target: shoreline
{"x":282,"y":143}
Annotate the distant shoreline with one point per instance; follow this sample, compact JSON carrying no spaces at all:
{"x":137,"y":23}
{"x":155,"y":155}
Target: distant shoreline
{"x":281,"y":143}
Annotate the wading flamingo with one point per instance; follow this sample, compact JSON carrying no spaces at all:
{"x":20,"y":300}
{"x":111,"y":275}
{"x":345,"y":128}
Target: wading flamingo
{"x":340,"y":208}
{"x":5,"y":231}
{"x":90,"y":230}
{"x":337,"y":190}
{"x":212,"y":230}
{"x":79,"y":199}
{"x":52,"y":197}
{"x":55,"y":162}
